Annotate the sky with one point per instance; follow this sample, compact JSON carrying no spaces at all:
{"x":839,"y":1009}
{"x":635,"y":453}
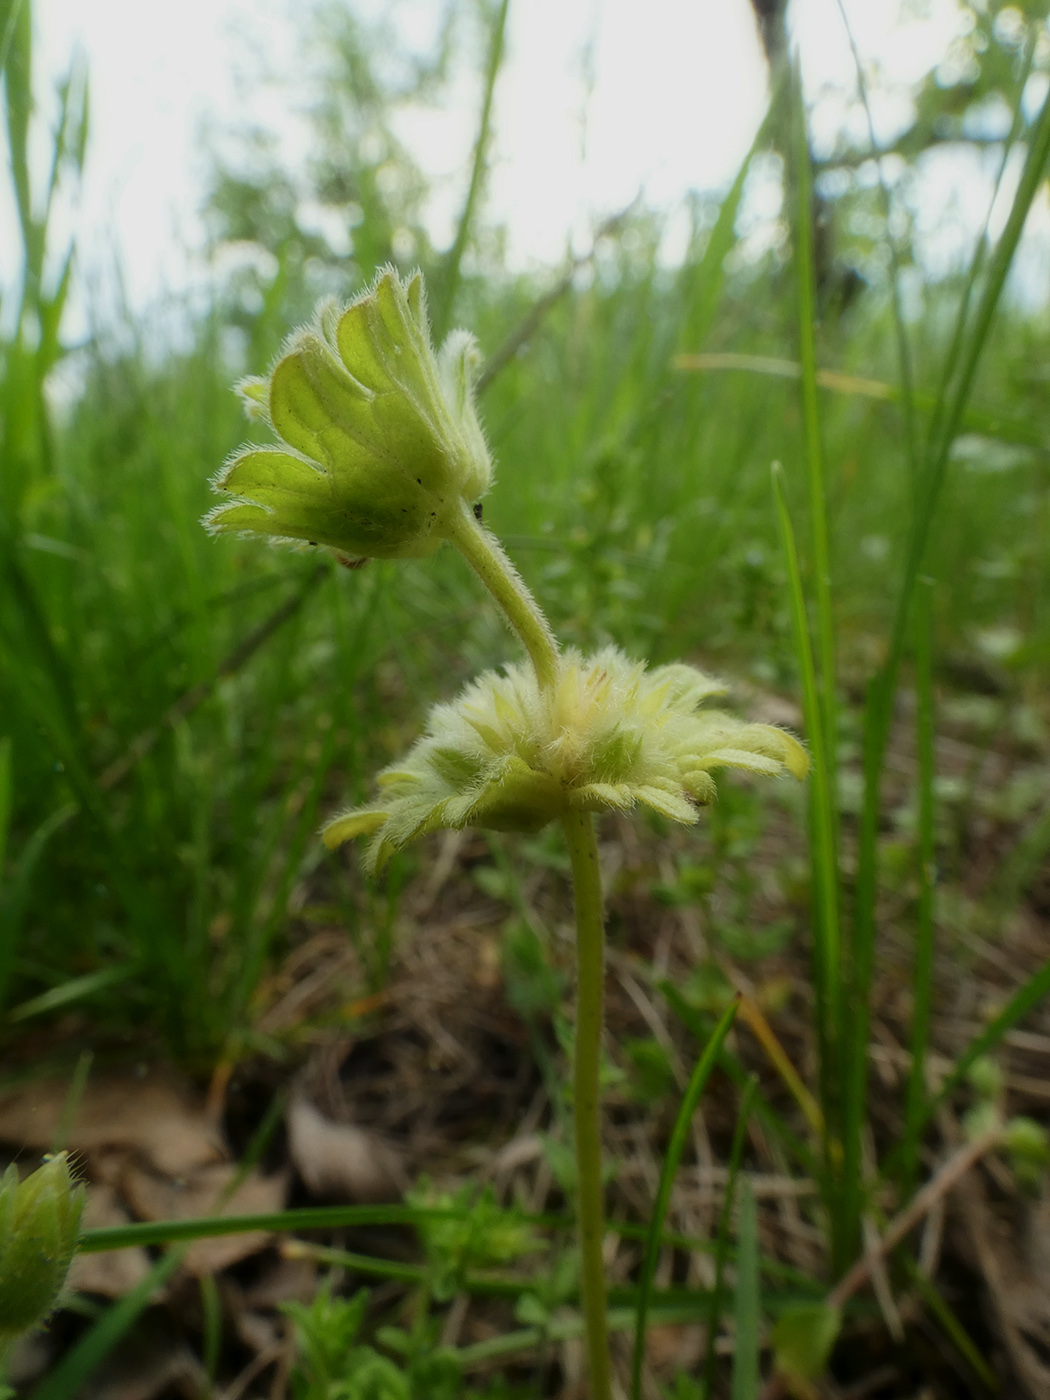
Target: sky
{"x":598,"y":100}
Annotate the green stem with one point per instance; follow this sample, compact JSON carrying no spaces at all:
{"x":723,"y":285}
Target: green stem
{"x":484,"y":553}
{"x":590,"y":964}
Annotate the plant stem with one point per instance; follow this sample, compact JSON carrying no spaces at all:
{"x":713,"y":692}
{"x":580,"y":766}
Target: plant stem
{"x":484,"y":553}
{"x":590,"y":964}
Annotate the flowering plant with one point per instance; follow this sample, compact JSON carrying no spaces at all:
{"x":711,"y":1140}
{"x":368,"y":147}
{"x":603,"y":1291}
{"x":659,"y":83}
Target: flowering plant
{"x":382,"y":454}
{"x":512,"y":755}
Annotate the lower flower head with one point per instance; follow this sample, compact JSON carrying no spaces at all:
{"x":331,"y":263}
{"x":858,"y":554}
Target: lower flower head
{"x":607,"y":735}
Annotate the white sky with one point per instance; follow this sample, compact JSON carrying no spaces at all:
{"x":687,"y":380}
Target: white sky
{"x":677,"y":89}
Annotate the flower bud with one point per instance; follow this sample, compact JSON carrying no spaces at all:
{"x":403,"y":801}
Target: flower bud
{"x":379,"y":442}
{"x":510,"y":755}
{"x":39,"y":1227}
{"x":986,"y":1078}
{"x":1027,"y":1145}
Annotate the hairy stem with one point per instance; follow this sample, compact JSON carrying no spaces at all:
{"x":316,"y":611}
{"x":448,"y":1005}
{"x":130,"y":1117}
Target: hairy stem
{"x":484,"y":553}
{"x":590,"y":964}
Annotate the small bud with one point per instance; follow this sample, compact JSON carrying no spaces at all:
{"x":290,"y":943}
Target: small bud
{"x":986,"y":1078}
{"x":1027,"y":1145}
{"x":39,"y":1227}
{"x":380,"y":444}
{"x":508,"y":755}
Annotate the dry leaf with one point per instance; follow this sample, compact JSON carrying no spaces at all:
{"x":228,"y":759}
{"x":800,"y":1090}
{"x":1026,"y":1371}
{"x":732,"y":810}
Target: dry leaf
{"x":199,"y":1194}
{"x":674,"y":1345}
{"x":340,"y":1162}
{"x":156,"y":1114}
{"x":288,"y":1279}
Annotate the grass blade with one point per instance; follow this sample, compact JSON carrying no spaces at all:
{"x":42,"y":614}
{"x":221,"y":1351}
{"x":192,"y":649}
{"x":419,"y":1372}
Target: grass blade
{"x":14,"y":893}
{"x":697,"y":1083}
{"x":922,"y":981}
{"x":1023,"y":1000}
{"x":714,"y":1312}
{"x":953,"y":1328}
{"x":805,"y":275}
{"x":701,"y":284}
{"x":454,"y":259}
{"x":747,"y":1309}
{"x":74,"y":990}
{"x":827,"y":951}
{"x":5,"y":800}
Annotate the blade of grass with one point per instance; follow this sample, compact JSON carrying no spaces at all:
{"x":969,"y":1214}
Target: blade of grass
{"x":675,"y":1147}
{"x":9,"y":12}
{"x":827,"y":951}
{"x":1023,"y":1000}
{"x":211,"y":1326}
{"x":71,"y":1107}
{"x":705,"y":279}
{"x":823,"y":707}
{"x":6,"y":802}
{"x":818,"y":514}
{"x":748,"y":1301}
{"x":454,"y":258}
{"x":714,"y":1312}
{"x":14,"y":894}
{"x":764,"y":1111}
{"x":904,"y":358}
{"x":73,"y":990}
{"x":305,"y":1218}
{"x":955,"y":345}
{"x":922,"y":975}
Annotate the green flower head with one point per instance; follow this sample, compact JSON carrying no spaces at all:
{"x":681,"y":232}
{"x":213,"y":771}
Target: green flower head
{"x":380,"y":444}
{"x":39,"y":1228}
{"x":607,"y":735}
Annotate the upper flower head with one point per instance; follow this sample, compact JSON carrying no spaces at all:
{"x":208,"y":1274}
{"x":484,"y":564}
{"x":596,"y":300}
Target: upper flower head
{"x":608,"y":734}
{"x":380,"y":441}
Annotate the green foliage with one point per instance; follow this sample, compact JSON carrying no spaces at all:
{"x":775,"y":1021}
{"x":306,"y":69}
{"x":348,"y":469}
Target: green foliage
{"x":533,"y":986}
{"x":331,"y":1363}
{"x":479,"y":1235}
{"x":802,"y":1338}
{"x":652,"y":1076}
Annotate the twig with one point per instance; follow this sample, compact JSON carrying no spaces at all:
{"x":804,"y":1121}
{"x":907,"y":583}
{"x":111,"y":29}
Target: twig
{"x":535,"y":316}
{"x":935,"y":1190}
{"x":255,"y":1367}
{"x":144,"y":742}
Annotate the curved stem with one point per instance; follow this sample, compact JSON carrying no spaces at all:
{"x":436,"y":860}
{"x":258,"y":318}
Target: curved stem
{"x":590,"y":963}
{"x":484,"y":553}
